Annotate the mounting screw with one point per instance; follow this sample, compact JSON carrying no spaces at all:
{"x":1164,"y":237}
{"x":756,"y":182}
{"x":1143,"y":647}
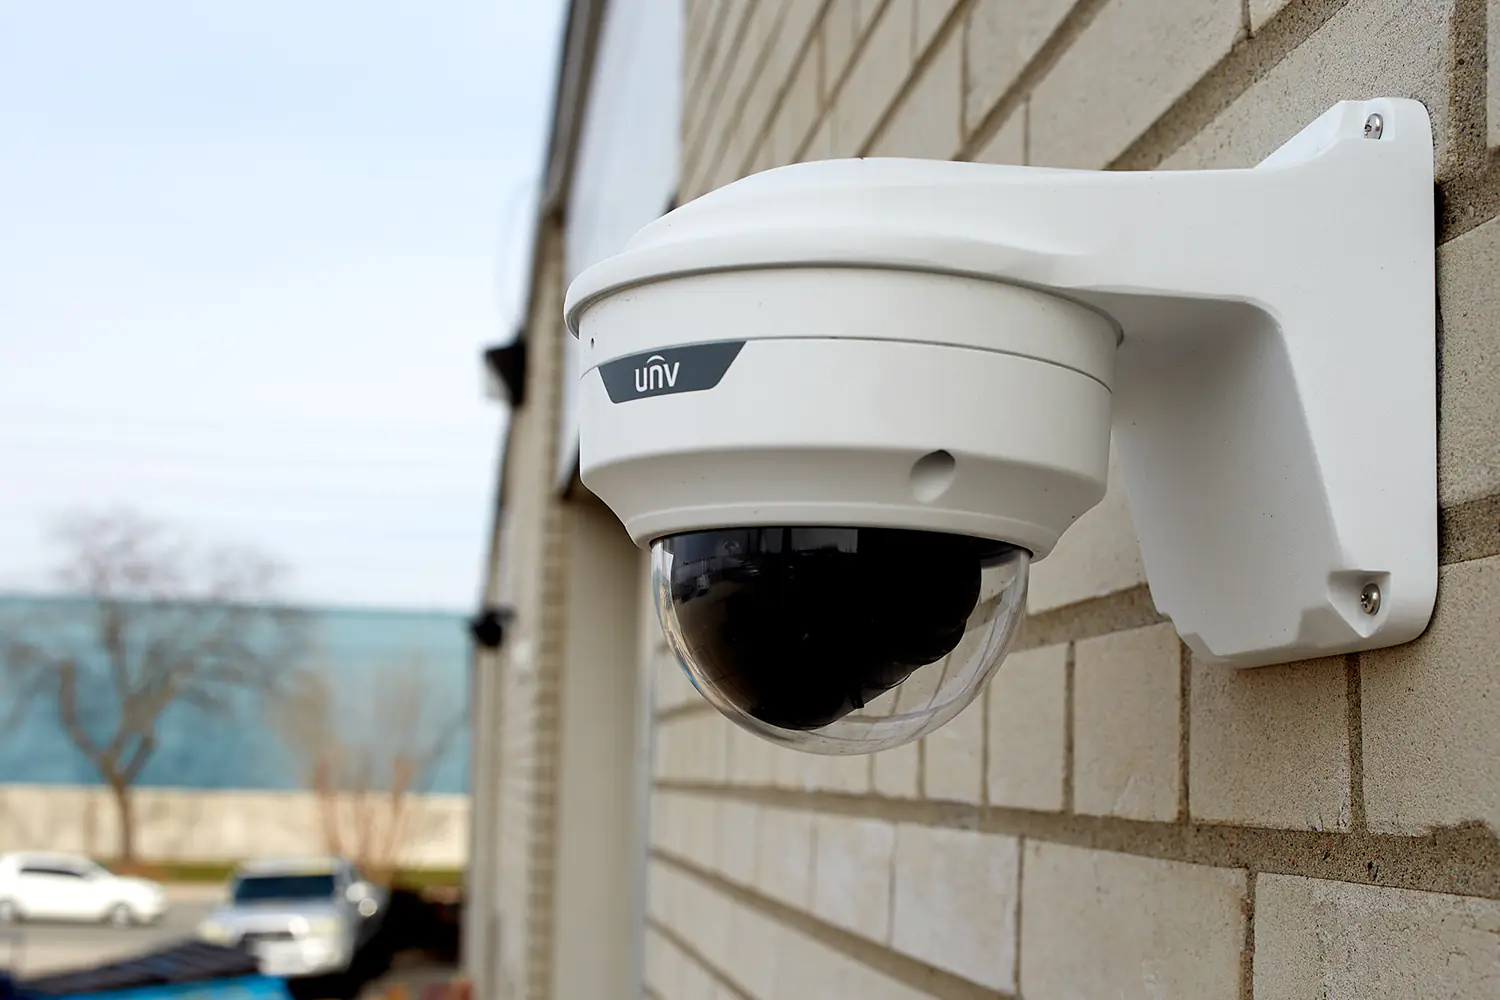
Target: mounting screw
{"x":1369,"y":599}
{"x":1374,"y":125}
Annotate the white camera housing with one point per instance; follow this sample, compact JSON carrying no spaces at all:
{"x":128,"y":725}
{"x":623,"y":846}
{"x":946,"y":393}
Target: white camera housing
{"x":945,"y":347}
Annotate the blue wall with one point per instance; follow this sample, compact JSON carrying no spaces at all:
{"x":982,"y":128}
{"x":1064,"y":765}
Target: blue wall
{"x":239,"y":749}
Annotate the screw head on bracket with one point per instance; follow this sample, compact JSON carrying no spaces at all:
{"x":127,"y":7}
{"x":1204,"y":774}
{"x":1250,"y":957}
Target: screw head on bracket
{"x":1374,"y":125}
{"x":1369,"y":599}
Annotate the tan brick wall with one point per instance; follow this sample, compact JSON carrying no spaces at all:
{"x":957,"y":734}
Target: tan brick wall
{"x":1113,"y":818}
{"x":530,"y":661}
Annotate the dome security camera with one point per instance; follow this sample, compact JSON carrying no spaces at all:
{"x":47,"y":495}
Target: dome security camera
{"x":848,"y":403}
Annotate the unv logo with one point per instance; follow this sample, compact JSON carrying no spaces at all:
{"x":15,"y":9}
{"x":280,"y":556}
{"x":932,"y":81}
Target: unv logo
{"x":669,"y":370}
{"x":656,"y":374}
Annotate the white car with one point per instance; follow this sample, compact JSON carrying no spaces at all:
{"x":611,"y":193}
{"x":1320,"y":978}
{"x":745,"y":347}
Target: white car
{"x":298,"y":916}
{"x":38,"y":886}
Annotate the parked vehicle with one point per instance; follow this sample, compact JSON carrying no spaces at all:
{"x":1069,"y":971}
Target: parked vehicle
{"x":299,"y":917}
{"x":52,"y":886}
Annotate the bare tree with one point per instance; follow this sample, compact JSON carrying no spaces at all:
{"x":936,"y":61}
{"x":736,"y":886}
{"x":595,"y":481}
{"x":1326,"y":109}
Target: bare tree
{"x":151,"y":621}
{"x":365,"y":744}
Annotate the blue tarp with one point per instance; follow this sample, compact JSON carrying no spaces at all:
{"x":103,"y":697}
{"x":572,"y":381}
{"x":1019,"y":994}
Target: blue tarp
{"x":242,"y":988}
{"x":190,"y":970}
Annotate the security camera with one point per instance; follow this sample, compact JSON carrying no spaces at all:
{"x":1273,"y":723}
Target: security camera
{"x":487,"y":628}
{"x":848,"y":404}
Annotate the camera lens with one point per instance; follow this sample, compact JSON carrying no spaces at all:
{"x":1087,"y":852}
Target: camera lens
{"x":800,"y":632}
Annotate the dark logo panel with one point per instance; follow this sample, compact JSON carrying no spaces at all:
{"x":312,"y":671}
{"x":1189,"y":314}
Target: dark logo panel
{"x":670,"y":370}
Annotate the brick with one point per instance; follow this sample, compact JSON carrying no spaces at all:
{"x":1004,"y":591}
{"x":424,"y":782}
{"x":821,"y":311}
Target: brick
{"x":665,"y":830}
{"x":739,"y":825}
{"x":698,"y":51}
{"x":797,"y":770}
{"x":703,"y":919}
{"x":672,"y":688}
{"x":712,"y":743}
{"x":806,"y":968}
{"x":852,"y":880}
{"x":1027,"y":729}
{"x":739,"y":764}
{"x":864,"y":13}
{"x":879,"y":73}
{"x":842,"y":773}
{"x":1003,"y":36}
{"x":1100,"y":924}
{"x":667,"y":822}
{"x":1339,"y":940}
{"x":1122,"y":73}
{"x":788,"y":43}
{"x":684,"y":744}
{"x":714,"y":156}
{"x":820,"y":146}
{"x":840,"y":35}
{"x":699,"y":819}
{"x":953,"y":758}
{"x":658,"y":956}
{"x":787,"y":36}
{"x":755,"y":947}
{"x":678,"y":896}
{"x":798,"y":112}
{"x":1269,"y":746}
{"x":1492,"y":21}
{"x":1432,"y":712}
{"x":1469,"y":366}
{"x":896,"y":771}
{"x":955,"y":902}
{"x":818,"y":772}
{"x":1008,"y":145}
{"x":719,"y":47}
{"x":1126,"y":732}
{"x":927,"y":122}
{"x":694,"y":756}
{"x":660,"y":901}
{"x":665,"y":753}
{"x":692,"y":25}
{"x":783,"y":856}
{"x":1097,"y":556}
{"x":714,"y":938}
{"x":694,"y":983}
{"x":1369,"y":47}
{"x":673,"y":750}
{"x":930,"y":16}
{"x":752,"y":759}
{"x":666,"y":978}
{"x":860,"y":982}
{"x":681,"y":743}
{"x":1261,"y":11}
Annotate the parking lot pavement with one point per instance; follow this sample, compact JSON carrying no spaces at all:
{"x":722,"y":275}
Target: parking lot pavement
{"x":29,"y":949}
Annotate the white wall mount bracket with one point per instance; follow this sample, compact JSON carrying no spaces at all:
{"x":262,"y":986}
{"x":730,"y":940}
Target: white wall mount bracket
{"x":1273,"y":389}
{"x":1276,"y":403}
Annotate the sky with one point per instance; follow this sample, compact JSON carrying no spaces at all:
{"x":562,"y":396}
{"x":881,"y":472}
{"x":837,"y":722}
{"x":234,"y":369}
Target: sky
{"x":249,"y":255}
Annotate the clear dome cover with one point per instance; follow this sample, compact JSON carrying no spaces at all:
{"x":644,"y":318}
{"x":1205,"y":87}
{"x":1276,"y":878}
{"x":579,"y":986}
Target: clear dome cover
{"x":838,"y":640}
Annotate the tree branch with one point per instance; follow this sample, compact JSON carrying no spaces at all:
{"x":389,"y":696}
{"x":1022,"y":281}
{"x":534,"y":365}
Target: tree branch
{"x":67,"y":713}
{"x":138,"y":758}
{"x":111,"y":626}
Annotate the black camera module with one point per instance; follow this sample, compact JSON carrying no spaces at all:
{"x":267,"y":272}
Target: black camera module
{"x":799,"y":626}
